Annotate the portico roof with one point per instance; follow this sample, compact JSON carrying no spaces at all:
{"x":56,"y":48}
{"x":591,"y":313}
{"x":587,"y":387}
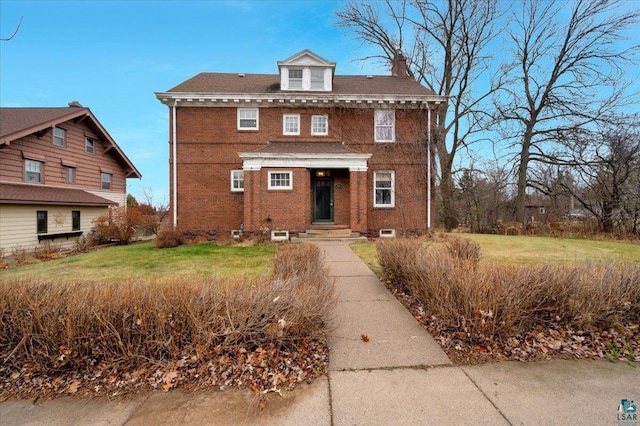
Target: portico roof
{"x":329,"y":155}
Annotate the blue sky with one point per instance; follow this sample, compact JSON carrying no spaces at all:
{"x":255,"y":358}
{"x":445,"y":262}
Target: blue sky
{"x":112,"y":56}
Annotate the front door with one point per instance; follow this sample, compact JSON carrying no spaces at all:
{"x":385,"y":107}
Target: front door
{"x":323,"y":199}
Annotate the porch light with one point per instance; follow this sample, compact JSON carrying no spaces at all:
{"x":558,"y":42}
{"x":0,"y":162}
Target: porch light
{"x":323,"y":173}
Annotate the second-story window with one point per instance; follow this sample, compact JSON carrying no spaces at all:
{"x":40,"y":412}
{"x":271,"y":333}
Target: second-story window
{"x":291,"y":124}
{"x":385,"y":125}
{"x":89,"y":145}
{"x":295,"y":79}
{"x":32,"y":171}
{"x":247,"y":118}
{"x":319,"y":125}
{"x":71,"y":174}
{"x":105,"y":181}
{"x":58,"y":136}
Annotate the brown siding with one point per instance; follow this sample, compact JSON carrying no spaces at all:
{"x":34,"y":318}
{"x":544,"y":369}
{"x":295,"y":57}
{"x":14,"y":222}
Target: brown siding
{"x":88,"y":166}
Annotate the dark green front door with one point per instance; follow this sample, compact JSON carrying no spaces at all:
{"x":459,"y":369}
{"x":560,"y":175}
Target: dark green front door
{"x":323,"y":199}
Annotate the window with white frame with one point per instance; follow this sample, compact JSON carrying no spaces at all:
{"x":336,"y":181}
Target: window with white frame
{"x":385,"y":125}
{"x":295,"y":79}
{"x":384,"y":188}
{"x":317,"y":79}
{"x":237,"y":180}
{"x":71,"y":174}
{"x":247,"y":118}
{"x":32,"y":171}
{"x":319,"y":125}
{"x":89,"y":145}
{"x":105,"y":181}
{"x":280,"y":180}
{"x":58,"y":136}
{"x":291,"y":124}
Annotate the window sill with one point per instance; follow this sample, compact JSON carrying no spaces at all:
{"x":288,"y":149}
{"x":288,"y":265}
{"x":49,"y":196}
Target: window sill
{"x":66,"y":235}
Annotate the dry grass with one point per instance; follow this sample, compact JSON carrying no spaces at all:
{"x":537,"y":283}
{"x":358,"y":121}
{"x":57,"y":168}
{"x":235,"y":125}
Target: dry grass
{"x":49,"y":327}
{"x":487,"y":301}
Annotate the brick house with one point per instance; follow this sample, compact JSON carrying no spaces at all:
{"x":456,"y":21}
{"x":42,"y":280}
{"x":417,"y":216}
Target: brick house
{"x":300,"y":148}
{"x":59,"y":169}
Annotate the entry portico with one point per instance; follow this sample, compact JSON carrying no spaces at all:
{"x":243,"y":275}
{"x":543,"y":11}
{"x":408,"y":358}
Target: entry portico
{"x":329,"y":175}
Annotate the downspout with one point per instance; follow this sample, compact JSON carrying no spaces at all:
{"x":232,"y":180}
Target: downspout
{"x":428,"y":168}
{"x":175,"y":163}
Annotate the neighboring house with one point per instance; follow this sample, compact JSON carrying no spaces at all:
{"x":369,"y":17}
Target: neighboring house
{"x":59,"y":169}
{"x":300,"y":148}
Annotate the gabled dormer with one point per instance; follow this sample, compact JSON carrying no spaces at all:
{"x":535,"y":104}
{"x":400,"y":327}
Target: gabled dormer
{"x":306,"y":71}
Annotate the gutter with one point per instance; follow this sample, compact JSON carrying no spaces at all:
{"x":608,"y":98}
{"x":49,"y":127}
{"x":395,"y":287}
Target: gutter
{"x":175,"y":161}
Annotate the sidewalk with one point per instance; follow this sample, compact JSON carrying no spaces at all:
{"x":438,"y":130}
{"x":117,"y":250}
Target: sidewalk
{"x":399,"y":376}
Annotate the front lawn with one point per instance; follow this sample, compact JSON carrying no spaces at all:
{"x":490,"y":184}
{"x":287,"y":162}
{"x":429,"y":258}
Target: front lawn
{"x":147,"y":261}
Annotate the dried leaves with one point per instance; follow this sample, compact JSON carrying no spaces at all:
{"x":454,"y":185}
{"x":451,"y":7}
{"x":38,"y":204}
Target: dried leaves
{"x":263,"y":370}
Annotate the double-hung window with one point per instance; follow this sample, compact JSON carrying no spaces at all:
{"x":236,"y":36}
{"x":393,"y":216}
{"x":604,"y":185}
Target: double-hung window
{"x":41,"y":221}
{"x":247,"y":118}
{"x":319,"y":125}
{"x":58,"y":136}
{"x":317,"y":79}
{"x":75,"y":220}
{"x":105,"y":181}
{"x":280,"y":180}
{"x":32,"y":171}
{"x":291,"y":124}
{"x":237,"y":180}
{"x":295,"y":79}
{"x":89,"y":145}
{"x":71,"y":174}
{"x":385,"y":125}
{"x":384,"y":188}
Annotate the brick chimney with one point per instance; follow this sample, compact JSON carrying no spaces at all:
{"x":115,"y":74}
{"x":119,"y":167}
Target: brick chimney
{"x":75,"y":104}
{"x":399,"y":66}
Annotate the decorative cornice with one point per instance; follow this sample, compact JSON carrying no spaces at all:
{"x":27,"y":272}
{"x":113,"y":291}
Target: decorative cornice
{"x":258,"y":160}
{"x":318,"y":100}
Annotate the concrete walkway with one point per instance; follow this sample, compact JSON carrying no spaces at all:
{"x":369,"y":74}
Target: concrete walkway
{"x":399,"y":376}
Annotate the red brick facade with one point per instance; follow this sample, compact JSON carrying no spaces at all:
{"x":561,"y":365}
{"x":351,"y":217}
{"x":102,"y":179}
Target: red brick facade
{"x":209,"y":147}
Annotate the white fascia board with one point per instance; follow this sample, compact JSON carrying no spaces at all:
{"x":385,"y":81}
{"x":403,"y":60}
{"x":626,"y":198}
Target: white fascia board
{"x":227,"y":99}
{"x":353,"y":162}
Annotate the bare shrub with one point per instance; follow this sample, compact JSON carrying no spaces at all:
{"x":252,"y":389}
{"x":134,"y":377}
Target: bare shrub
{"x":53,"y":327}
{"x":113,"y":227}
{"x":497,"y":301}
{"x":48,"y":251}
{"x":168,"y":237}
{"x":464,"y":249}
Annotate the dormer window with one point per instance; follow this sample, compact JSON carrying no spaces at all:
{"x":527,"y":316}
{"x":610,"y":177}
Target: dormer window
{"x":317,"y":79}
{"x":306,"y":71}
{"x":295,"y":79}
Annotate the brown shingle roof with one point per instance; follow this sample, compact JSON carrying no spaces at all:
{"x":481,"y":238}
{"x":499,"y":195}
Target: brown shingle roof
{"x":270,"y":83}
{"x":306,"y":148}
{"x":40,"y":194}
{"x":13,"y":120}
{"x":19,"y":122}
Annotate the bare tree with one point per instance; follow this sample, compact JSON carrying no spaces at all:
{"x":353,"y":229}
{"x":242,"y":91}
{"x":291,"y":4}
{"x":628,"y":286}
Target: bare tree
{"x":567,"y":74}
{"x":445,"y":43}
{"x":14,"y":33}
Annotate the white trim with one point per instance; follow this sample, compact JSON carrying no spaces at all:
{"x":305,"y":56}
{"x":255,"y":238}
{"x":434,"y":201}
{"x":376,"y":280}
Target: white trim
{"x":284,"y":124}
{"x":233,"y":180}
{"x":327,"y":100}
{"x":278,"y":188}
{"x":257,"y":118}
{"x":353,"y":162}
{"x":392,"y":189}
{"x":62,"y":137}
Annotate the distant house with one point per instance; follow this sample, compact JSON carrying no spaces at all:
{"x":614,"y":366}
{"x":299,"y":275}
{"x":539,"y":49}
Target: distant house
{"x":59,"y":169}
{"x":299,"y":149}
